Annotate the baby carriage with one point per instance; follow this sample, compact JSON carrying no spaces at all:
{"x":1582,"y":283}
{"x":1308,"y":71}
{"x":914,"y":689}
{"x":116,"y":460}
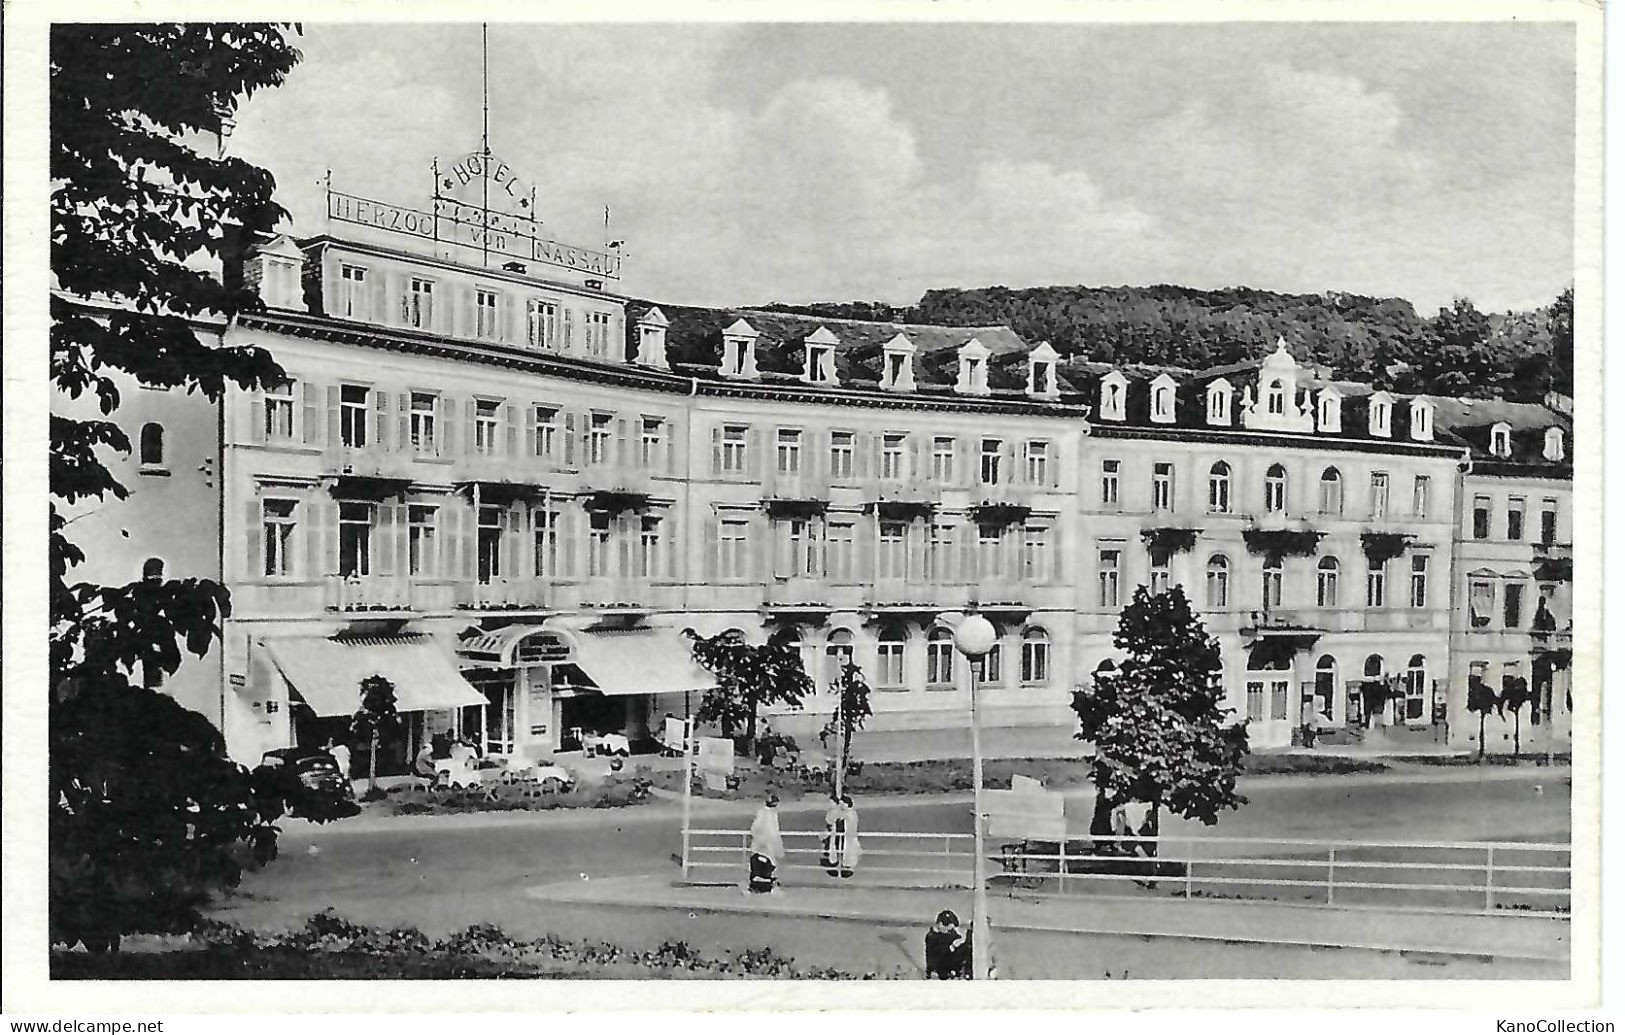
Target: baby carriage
{"x":762,"y":880}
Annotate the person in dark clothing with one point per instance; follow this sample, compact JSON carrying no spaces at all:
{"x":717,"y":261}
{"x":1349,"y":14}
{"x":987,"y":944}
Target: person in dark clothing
{"x":947,"y":948}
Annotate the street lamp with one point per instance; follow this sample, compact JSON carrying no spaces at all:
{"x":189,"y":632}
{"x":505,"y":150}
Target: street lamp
{"x":974,"y":637}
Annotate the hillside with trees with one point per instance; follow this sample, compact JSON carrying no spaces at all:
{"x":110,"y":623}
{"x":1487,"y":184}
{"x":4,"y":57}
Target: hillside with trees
{"x":1460,"y":351}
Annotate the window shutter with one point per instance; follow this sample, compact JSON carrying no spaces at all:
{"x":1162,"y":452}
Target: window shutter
{"x":865,"y":535}
{"x":330,"y":286}
{"x":404,"y":442}
{"x":446,"y":410}
{"x":469,"y":540}
{"x":470,"y":423}
{"x":381,"y":402}
{"x":255,"y":563}
{"x":620,"y":444}
{"x":253,"y":402}
{"x":569,"y":332}
{"x":327,"y":528}
{"x":968,"y":534}
{"x":915,"y":534}
{"x":1055,"y":465}
{"x":713,"y":549}
{"x":753,"y":452}
{"x":333,"y":439}
{"x":382,"y":289}
{"x":1011,"y":475}
{"x":716,"y":450}
{"x":513,"y":549}
{"x":450,"y":537}
{"x":756,"y":551}
{"x":510,"y":432}
{"x":860,"y":455}
{"x":312,"y":423}
{"x":465,"y":311}
{"x":674,"y":447}
{"x":623,"y":536}
{"x":879,"y":450}
{"x":569,"y":539}
{"x":383,"y":534}
{"x":530,"y":431}
{"x":569,"y":440}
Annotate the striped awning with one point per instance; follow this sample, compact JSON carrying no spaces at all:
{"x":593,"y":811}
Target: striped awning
{"x":326,"y":672}
{"x":622,"y":662}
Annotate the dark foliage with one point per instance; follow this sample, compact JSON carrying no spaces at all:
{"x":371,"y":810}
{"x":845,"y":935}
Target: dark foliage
{"x":1481,"y":700}
{"x":748,"y":677}
{"x":852,"y":710}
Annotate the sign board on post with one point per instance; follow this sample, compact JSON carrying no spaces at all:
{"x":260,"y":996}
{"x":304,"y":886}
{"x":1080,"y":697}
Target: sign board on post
{"x":1026,"y":784}
{"x":1027,"y":815}
{"x":716,"y":755}
{"x":674,"y":733}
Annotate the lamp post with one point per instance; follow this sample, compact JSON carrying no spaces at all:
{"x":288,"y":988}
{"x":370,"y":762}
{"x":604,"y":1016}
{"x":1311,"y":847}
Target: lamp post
{"x":974,"y":637}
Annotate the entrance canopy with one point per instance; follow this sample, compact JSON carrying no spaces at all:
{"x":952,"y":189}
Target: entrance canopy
{"x":621,"y":662}
{"x":327,"y":673}
{"x":516,"y":645}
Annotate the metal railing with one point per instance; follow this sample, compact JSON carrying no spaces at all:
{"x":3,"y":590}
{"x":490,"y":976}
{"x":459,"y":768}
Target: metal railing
{"x":1476,"y":877}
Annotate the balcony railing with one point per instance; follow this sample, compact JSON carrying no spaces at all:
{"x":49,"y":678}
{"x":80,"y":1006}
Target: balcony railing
{"x":384,"y":595}
{"x":606,"y":592}
{"x":799,"y":591}
{"x":512,"y":594}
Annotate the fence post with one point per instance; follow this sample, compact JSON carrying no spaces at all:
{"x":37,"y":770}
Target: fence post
{"x":1060,"y":881}
{"x":1331,"y":876}
{"x":1190,"y":864}
{"x":1489,"y":879}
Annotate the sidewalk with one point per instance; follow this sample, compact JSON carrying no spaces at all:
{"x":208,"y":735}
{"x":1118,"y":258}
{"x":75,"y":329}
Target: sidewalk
{"x":1509,"y":936}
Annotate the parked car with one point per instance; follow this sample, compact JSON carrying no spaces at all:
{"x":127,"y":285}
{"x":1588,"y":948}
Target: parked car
{"x":306,"y":782}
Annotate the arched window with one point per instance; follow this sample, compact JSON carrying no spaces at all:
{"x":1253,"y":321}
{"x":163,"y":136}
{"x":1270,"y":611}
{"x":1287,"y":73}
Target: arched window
{"x":1416,"y":680}
{"x":1376,"y":583}
{"x":152,"y":570}
{"x":1162,"y":402}
{"x":1275,"y":398}
{"x":791,"y":636}
{"x":1218,"y":488}
{"x":152,"y":445}
{"x":1326,"y":582}
{"x":939,"y":658}
{"x":1326,"y":685}
{"x":1554,"y":444}
{"x":1501,"y":440}
{"x":837,"y":653}
{"x":1272,"y":583}
{"x":1331,"y":492}
{"x":1218,"y":582}
{"x":889,"y":656}
{"x":990,"y":670}
{"x":1035,"y":657}
{"x":1373,"y":666}
{"x":1275,"y":489}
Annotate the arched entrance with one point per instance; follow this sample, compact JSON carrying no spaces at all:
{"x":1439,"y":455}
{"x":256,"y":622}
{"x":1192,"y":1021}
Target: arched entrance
{"x":1325,"y":697}
{"x":1269,"y":695}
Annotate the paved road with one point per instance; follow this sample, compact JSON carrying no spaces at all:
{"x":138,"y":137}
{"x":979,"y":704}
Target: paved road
{"x":441,"y":878}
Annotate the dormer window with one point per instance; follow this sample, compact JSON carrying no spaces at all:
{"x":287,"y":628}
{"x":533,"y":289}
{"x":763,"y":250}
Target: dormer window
{"x":1219,"y":395}
{"x":1162,"y":399}
{"x":652,"y":339}
{"x":897,"y":365}
{"x":1553,"y":450}
{"x":1501,"y":441}
{"x":1330,"y":416}
{"x":1113,"y":392}
{"x":818,"y":366}
{"x":972,"y":369}
{"x":1381,"y":415}
{"x":1041,"y":362}
{"x":739,"y":350}
{"x":1421,"y":420}
{"x":1275,"y":398}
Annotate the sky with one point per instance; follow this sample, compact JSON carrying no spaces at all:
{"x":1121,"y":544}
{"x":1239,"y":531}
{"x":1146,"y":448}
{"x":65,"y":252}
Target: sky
{"x":797,"y":162}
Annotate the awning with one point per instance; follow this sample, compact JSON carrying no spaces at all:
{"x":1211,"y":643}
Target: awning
{"x":327,"y":673}
{"x":640,"y":661}
{"x":516,"y":645}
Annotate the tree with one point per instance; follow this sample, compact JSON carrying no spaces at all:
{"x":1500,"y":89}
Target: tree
{"x":1514,"y":695}
{"x":1481,"y":700}
{"x":1560,"y":328}
{"x":1160,"y":732}
{"x":134,"y":204}
{"x":749,"y":676}
{"x":376,"y":716}
{"x":852,"y":710}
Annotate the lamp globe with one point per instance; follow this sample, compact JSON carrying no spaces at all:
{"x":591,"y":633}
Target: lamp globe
{"x":975,"y":636}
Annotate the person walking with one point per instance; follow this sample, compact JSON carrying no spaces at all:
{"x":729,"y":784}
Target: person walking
{"x":947,"y":948}
{"x":341,"y":754}
{"x":766,"y":847}
{"x":841,"y":847}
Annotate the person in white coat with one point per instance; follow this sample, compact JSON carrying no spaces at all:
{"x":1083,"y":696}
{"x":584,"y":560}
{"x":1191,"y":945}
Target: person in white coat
{"x":766,"y":847}
{"x":841,"y":847}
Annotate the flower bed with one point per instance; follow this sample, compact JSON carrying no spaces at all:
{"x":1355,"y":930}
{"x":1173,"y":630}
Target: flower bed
{"x":618,"y":790}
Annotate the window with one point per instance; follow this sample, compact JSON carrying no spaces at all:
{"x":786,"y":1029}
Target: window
{"x":1275,"y":398}
{"x":1218,"y":488}
{"x":1162,"y":403}
{"x":1421,"y":495}
{"x":485,"y":426}
{"x":840,"y":536}
{"x":939,"y":658}
{"x":1218,"y":403}
{"x":598,"y":335}
{"x":1379,"y":494}
{"x":652,"y":443}
{"x":1501,"y":441}
{"x":1331,"y":492}
{"x":650,"y":553}
{"x":1161,"y":579}
{"x":1419,"y":580}
{"x":1331,"y":411}
{"x":1512,"y":605}
{"x":152,"y":445}
{"x":600,"y":437}
{"x":942,"y":460}
{"x":421,"y":556}
{"x":1480,"y":602}
{"x":990,"y":552}
{"x":1110,"y":470}
{"x":1038,"y":463}
{"x":992,"y":449}
{"x":1553,"y":448}
{"x":545,"y":537}
{"x":789,"y":452}
{"x":801,"y":545}
{"x":1481,"y":517}
{"x":837,"y":653}
{"x":352,"y":292}
{"x":1218,"y":582}
{"x":600,"y":533}
{"x":731,"y":546}
{"x":353,"y":408}
{"x":841,"y":450}
{"x":1326,"y":582}
{"x":420,"y":422}
{"x":1381,"y":417}
{"x":489,"y":546}
{"x":821,"y":364}
{"x":418,"y":308}
{"x":1515,"y":507}
{"x":1111,"y":560}
{"x":279,"y":412}
{"x":891,"y":456}
{"x":1162,"y":486}
{"x":940,"y":557}
{"x":893,"y":559}
{"x":1035,"y":554}
{"x":990,"y":669}
{"x":1255,"y":700}
{"x":889,"y":656}
{"x":1548,"y":522}
{"x":733,"y":448}
{"x":355,"y":539}
{"x":547,"y":432}
{"x":1275,"y":490}
{"x":1035,"y":657}
{"x":278,"y":520}
{"x":486,"y":309}
{"x":1416,"y":678}
{"x":542,"y":325}
{"x":1111,"y":397}
{"x":1376,"y":583}
{"x":1272,"y":583}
